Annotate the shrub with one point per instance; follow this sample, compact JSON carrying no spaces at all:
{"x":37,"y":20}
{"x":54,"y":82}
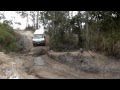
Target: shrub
{"x":65,"y":42}
{"x":7,"y":38}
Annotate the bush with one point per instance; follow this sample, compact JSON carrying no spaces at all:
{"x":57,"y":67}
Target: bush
{"x":7,"y":38}
{"x":30,"y":28}
{"x":107,"y":42}
{"x":11,"y":47}
{"x":65,"y":42}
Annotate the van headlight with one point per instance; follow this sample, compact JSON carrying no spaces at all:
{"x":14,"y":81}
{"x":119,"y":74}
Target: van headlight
{"x":42,"y":41}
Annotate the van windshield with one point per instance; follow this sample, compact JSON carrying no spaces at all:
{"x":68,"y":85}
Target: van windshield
{"x":38,"y":36}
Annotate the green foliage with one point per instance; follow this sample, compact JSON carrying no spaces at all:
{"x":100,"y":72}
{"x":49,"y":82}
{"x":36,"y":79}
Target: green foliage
{"x":101,"y":33}
{"x":30,"y":28}
{"x":75,"y":23}
{"x":7,"y":38}
{"x":7,"y":23}
{"x":61,"y":38}
{"x":67,"y":44}
{"x":104,"y":34}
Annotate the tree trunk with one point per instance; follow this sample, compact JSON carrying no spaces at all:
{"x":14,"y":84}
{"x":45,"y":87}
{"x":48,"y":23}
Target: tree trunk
{"x":27,"y":22}
{"x":87,"y":32}
{"x":37,"y":24}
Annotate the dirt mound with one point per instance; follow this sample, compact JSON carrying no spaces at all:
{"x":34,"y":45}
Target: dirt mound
{"x":77,"y":60}
{"x":80,"y":62}
{"x":37,"y":51}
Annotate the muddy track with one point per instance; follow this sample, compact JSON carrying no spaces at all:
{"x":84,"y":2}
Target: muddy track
{"x":37,"y":63}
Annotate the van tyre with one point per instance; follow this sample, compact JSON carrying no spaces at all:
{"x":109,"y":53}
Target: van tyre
{"x":34,"y":45}
{"x":44,"y":44}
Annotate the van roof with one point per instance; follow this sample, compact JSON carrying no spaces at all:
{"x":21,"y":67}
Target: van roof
{"x":39,"y":31}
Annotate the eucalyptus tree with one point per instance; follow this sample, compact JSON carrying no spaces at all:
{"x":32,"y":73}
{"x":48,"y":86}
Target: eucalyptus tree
{"x":2,"y":15}
{"x":34,"y":17}
{"x":59,"y":26}
{"x":24,"y":14}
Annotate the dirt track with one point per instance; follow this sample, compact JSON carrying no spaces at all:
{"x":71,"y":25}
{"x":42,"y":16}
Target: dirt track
{"x":36,"y":63}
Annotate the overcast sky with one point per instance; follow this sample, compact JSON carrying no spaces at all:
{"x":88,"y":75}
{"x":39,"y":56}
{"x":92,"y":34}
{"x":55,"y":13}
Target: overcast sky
{"x":12,"y":15}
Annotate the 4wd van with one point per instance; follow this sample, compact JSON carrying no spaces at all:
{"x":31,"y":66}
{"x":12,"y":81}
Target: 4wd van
{"x":38,"y":38}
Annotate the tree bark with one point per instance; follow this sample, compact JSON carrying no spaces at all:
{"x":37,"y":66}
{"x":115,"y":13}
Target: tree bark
{"x":37,"y":24}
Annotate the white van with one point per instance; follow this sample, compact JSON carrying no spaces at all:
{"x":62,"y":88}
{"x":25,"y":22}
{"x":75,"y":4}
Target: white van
{"x":38,"y":38}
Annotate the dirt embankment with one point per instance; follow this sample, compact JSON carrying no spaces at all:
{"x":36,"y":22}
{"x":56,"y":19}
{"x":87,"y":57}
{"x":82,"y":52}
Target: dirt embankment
{"x":25,"y":40}
{"x":89,"y":62}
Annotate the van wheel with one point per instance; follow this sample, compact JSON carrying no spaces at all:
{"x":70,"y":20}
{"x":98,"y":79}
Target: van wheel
{"x":34,"y":45}
{"x":44,"y":44}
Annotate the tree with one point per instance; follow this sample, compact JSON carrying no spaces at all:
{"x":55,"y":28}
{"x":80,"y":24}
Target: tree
{"x":8,"y":22}
{"x":76,"y":25}
{"x":58,"y":23}
{"x":37,"y":24}
{"x":24,"y":14}
{"x":33,"y":15}
{"x":104,"y":29}
{"x":2,"y":16}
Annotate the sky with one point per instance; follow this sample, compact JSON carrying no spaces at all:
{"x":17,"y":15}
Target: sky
{"x":12,"y":15}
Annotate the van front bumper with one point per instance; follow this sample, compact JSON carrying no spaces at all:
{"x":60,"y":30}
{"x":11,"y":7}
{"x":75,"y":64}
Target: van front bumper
{"x":38,"y":43}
